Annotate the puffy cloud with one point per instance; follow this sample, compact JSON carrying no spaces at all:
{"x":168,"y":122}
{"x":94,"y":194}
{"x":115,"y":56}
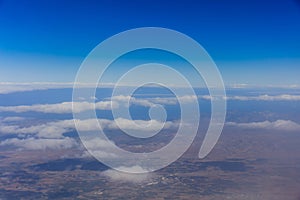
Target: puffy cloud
{"x":132,"y":100}
{"x":188,"y":98}
{"x":206,"y":97}
{"x":59,"y":108}
{"x":50,"y":135}
{"x":8,"y":129}
{"x":116,"y":101}
{"x":57,"y":128}
{"x":41,"y":144}
{"x":99,"y":148}
{"x":284,"y":125}
{"x":47,"y":130}
{"x":77,"y":107}
{"x":141,"y":125}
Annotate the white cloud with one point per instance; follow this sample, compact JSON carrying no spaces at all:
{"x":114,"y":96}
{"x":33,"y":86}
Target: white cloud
{"x":8,"y":129}
{"x":59,"y":108}
{"x":148,"y":102}
{"x":283,"y":125}
{"x":10,"y":87}
{"x":41,"y":144}
{"x":77,"y":107}
{"x":174,"y":100}
{"x":115,"y":102}
{"x":163,"y":100}
{"x":46,"y":130}
{"x":128,"y":99}
{"x":49,"y":130}
{"x":56,"y":129}
{"x":240,"y":85}
{"x":50,"y":135}
{"x":188,"y":98}
{"x":141,"y":125}
{"x":137,"y":174}
{"x":99,"y":148}
{"x":12,"y":119}
{"x":206,"y":97}
{"x":282,"y":97}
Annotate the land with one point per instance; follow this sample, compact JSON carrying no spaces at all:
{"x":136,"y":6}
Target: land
{"x":245,"y":164}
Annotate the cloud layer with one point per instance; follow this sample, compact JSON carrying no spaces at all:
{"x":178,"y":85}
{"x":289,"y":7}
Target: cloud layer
{"x":282,"y":97}
{"x":51,"y":134}
{"x":41,"y":144}
{"x":59,"y":108}
{"x":282,"y":125}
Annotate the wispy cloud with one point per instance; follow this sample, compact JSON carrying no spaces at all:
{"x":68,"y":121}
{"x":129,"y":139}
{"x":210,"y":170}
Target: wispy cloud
{"x":41,"y":144}
{"x":283,"y":125}
{"x":10,"y":87}
{"x":282,"y":97}
{"x":59,"y":108}
{"x":12,"y":119}
{"x":191,"y":98}
{"x":113,"y":103}
{"x":57,"y":128}
{"x":147,"y":102}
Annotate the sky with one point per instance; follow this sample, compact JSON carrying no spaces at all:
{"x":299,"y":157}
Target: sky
{"x":252,"y":42}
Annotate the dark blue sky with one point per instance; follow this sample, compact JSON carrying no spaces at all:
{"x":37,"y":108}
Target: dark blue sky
{"x":255,"y":42}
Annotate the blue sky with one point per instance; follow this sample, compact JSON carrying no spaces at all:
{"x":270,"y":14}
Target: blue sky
{"x":252,"y":42}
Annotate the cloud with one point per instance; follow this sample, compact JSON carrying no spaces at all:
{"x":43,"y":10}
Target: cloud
{"x":10,"y":87}
{"x":148,"y":102}
{"x":77,"y":107}
{"x":99,"y":148}
{"x":47,"y":130}
{"x":8,"y":129}
{"x":283,"y":125}
{"x":41,"y":131}
{"x":132,"y":100}
{"x":52,"y":130}
{"x":56,"y":129}
{"x":60,"y":108}
{"x":41,"y":144}
{"x":239,"y":85}
{"x":140,"y":125}
{"x":117,"y":101}
{"x":174,"y":100}
{"x":136,"y":174}
{"x":50,"y":135}
{"x":127,"y":124}
{"x":282,"y":97}
{"x":12,"y":119}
